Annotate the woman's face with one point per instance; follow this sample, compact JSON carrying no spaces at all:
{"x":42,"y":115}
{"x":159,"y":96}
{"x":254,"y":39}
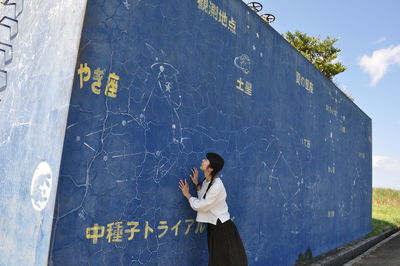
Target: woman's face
{"x":204,"y":164}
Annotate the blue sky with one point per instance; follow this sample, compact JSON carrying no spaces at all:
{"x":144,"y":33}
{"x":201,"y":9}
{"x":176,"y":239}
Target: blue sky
{"x":369,"y":36}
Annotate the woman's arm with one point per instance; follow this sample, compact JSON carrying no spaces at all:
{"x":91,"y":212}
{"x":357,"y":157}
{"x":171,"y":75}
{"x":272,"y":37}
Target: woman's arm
{"x":213,"y":196}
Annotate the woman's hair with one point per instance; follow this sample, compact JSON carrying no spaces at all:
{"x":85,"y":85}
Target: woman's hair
{"x":216,"y":163}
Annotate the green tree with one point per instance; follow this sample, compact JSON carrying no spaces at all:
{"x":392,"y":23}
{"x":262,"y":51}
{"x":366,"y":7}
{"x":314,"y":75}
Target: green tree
{"x":321,"y":53}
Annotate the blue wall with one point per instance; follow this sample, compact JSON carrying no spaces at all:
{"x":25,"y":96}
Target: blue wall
{"x":169,"y":82}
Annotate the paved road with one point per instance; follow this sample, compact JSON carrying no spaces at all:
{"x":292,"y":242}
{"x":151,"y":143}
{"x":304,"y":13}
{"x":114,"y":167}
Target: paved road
{"x":388,"y":254}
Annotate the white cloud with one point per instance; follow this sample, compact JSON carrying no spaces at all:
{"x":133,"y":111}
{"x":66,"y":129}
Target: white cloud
{"x":377,"y":64}
{"x":380,"y":40}
{"x":385,"y":162}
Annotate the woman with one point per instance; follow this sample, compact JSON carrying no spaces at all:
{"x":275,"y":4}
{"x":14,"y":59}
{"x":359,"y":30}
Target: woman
{"x":225,"y":247}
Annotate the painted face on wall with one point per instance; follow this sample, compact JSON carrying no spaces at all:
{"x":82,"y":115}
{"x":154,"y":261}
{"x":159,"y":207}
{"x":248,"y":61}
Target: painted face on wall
{"x":41,"y":186}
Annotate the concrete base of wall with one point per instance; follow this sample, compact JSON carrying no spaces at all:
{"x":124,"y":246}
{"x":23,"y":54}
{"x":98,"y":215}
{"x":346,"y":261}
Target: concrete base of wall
{"x":346,"y":253}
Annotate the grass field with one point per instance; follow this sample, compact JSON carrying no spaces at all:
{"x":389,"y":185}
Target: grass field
{"x":385,"y":210}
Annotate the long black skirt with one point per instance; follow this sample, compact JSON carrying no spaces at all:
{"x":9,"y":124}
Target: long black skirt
{"x":225,"y":247}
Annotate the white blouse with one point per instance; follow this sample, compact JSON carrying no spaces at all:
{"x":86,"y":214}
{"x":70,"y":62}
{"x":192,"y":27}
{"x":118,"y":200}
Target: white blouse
{"x":214,"y":206}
